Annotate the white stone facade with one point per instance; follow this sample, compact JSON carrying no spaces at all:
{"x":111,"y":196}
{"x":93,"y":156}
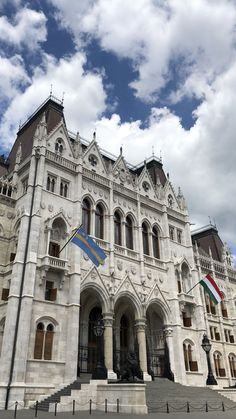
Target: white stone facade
{"x":136,"y":290}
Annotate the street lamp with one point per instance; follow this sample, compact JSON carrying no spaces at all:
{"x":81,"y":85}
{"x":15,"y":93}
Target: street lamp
{"x":100,"y":372}
{"x":206,"y":346}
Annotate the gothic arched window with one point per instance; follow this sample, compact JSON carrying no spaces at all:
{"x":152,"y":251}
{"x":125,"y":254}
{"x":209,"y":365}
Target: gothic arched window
{"x":99,"y":222}
{"x":129,"y":232}
{"x":117,"y":228}
{"x":190,"y":364}
{"x":86,"y":215}
{"x":145,"y":239}
{"x":155,"y":243}
{"x":232,"y":365}
{"x":43,"y":341}
{"x":220,"y":371}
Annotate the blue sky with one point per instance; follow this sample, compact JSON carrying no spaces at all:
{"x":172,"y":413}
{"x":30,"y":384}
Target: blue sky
{"x":152,"y":75}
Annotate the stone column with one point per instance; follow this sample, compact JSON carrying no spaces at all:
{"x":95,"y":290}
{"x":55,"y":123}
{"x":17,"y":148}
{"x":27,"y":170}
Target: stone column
{"x":170,"y":369}
{"x":108,"y":344}
{"x":141,"y":337}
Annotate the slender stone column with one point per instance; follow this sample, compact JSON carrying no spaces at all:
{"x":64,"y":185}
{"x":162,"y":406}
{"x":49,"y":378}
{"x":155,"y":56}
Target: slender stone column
{"x":141,"y":337}
{"x":108,"y":344}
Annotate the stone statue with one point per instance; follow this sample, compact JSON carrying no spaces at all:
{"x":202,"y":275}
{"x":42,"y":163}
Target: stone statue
{"x":131,"y":369}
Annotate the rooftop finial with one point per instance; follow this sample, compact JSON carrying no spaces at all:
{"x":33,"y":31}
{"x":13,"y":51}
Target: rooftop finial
{"x":50,"y":90}
{"x":160,"y":156}
{"x":121,"y":149}
{"x":153,"y":151}
{"x":94,"y":135}
{"x":209,"y":220}
{"x":62,"y":99}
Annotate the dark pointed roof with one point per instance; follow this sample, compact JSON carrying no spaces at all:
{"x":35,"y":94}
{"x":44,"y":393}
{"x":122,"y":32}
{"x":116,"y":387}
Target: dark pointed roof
{"x":53,"y":110}
{"x":208,"y":237}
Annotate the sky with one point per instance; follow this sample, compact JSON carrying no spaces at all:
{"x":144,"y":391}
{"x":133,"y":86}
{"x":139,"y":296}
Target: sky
{"x":155,"y":76}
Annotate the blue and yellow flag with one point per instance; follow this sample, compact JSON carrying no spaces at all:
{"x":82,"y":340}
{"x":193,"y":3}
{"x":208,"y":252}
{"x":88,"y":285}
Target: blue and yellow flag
{"x":88,"y":245}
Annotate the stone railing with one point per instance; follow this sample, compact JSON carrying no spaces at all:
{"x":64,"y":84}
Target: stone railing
{"x":149,"y":260}
{"x":61,"y":161}
{"x":95,"y":177}
{"x":54,"y":263}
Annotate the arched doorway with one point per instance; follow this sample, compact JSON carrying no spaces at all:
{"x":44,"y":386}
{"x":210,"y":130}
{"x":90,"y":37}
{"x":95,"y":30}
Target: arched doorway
{"x":124,"y":334}
{"x":155,"y":341}
{"x":91,"y":310}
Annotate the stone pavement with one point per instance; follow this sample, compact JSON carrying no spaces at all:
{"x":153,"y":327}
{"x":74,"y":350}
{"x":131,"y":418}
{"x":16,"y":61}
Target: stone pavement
{"x":29,"y":414}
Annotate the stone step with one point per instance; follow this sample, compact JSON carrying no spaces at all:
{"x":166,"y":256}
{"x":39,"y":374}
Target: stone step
{"x":162,"y":391}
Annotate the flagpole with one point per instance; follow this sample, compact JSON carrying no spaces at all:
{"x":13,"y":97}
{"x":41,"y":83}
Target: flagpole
{"x":70,"y":239}
{"x":193,"y":287}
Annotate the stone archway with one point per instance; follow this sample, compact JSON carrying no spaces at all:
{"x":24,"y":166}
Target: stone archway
{"x":124,"y":333}
{"x":155,"y":340}
{"x":91,"y":310}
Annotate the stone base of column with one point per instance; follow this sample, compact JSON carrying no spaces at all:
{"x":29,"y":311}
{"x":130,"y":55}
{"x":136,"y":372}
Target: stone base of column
{"x":146,"y":377}
{"x":111,"y":375}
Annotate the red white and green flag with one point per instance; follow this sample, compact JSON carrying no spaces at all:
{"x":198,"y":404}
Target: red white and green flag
{"x":212,"y":289}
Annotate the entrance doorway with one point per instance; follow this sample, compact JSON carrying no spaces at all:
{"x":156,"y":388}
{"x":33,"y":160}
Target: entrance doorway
{"x":155,"y":343}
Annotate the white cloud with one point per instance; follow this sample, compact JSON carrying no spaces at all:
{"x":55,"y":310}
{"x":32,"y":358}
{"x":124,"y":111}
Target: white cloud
{"x":28,"y":29}
{"x":84,"y":95}
{"x":153,"y":34}
{"x":13,"y":77}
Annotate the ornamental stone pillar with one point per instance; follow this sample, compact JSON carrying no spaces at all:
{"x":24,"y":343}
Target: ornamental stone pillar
{"x":141,"y":337}
{"x":108,"y":344}
{"x":170,"y":369}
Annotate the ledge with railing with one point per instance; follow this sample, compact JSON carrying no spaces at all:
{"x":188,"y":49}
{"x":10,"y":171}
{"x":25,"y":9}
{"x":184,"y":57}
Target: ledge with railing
{"x":54,"y":263}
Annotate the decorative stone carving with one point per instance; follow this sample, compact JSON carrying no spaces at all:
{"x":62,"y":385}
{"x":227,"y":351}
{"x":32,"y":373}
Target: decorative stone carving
{"x":42,"y":205}
{"x":50,"y":208}
{"x":168,"y":331}
{"x":85,"y":256}
{"x":119,"y":265}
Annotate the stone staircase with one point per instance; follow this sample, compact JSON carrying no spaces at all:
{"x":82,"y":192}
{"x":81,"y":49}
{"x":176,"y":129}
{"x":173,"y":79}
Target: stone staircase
{"x":183,"y":398}
{"x":161,"y":395}
{"x":65,"y":391}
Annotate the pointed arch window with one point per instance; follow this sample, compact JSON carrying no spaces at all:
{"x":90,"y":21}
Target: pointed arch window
{"x":51,"y":183}
{"x":117,"y":228}
{"x":145,"y":239}
{"x":155,"y":243}
{"x":232,"y":365}
{"x":43,"y":341}
{"x":224,"y":307}
{"x":129,"y":232}
{"x":86,"y":215}
{"x":99,"y":222}
{"x":220,"y":371}
{"x":190,"y":364}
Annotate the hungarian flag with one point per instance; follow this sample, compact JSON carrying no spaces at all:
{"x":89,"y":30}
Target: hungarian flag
{"x":212,"y":289}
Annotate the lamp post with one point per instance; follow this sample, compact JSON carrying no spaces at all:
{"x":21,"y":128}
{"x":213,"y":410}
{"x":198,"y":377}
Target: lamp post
{"x":206,"y":346}
{"x":100,"y":372}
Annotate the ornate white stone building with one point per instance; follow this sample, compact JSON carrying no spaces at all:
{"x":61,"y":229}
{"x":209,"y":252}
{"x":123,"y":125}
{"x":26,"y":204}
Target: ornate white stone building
{"x":53,"y":181}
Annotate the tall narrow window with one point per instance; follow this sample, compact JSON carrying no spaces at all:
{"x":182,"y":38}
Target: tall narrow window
{"x":155,"y":243}
{"x":232,"y":365}
{"x":145,"y":239}
{"x":86,"y":215}
{"x":224,"y":308}
{"x":39,"y":338}
{"x":220,"y":372}
{"x":43,"y":341}
{"x":48,"y":342}
{"x":190,"y":364}
{"x":129,"y":232}
{"x":51,"y":182}
{"x":117,"y":228}
{"x":99,"y":222}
